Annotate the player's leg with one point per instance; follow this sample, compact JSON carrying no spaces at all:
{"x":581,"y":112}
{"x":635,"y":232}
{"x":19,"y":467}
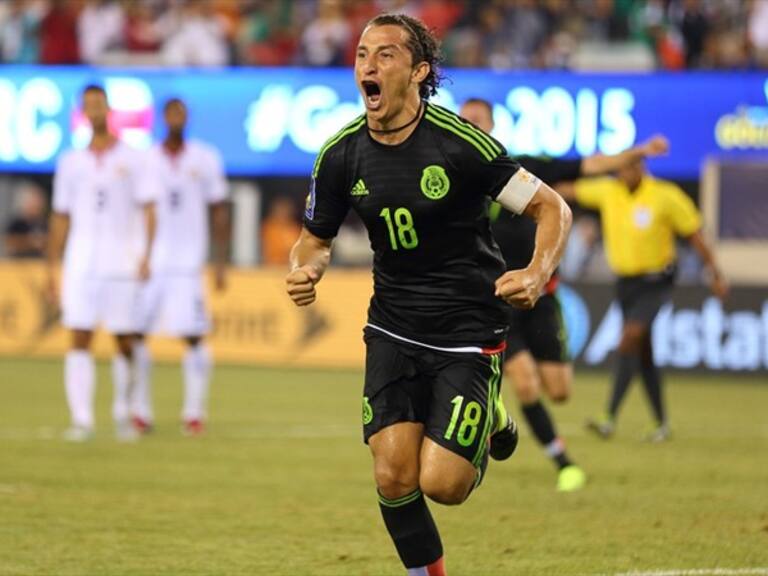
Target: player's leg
{"x":526,"y":379}
{"x":446,"y":477}
{"x":184,"y":315}
{"x":141,"y":408}
{"x":150,"y":304}
{"x":122,"y":382}
{"x":395,"y":404}
{"x":462,"y":418}
{"x":629,"y":293}
{"x":395,"y":452}
{"x":120,"y":316}
{"x":197,"y":371}
{"x":557,"y":379}
{"x":652,"y":382}
{"x":79,"y":297}
{"x":540,"y":364}
{"x":626,"y":365}
{"x":80,"y":385}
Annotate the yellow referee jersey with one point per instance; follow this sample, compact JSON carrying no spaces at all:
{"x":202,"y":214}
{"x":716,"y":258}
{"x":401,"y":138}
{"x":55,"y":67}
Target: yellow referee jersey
{"x":639,"y":227}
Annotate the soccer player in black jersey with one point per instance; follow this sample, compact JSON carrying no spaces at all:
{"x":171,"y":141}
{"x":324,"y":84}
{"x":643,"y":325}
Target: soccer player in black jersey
{"x":537,"y":352}
{"x":419,"y":177}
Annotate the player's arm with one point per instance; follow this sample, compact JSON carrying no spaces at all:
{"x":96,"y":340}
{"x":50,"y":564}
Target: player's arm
{"x":58,"y":224}
{"x":220,"y":232}
{"x":309,"y":258}
{"x":325,"y":210}
{"x":599,"y":164}
{"x":58,"y":230}
{"x":526,"y":194}
{"x":685,"y":220}
{"x":150,"y":226}
{"x":717,"y":282}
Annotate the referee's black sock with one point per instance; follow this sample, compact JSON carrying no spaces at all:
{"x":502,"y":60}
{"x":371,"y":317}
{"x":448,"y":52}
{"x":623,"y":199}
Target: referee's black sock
{"x":626,"y":366}
{"x":412,"y":529}
{"x":543,"y":429}
{"x":652,"y":383}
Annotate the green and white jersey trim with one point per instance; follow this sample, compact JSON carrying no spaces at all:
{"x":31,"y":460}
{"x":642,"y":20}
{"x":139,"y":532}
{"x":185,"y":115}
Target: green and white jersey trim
{"x":350,"y":128}
{"x":451,"y":122}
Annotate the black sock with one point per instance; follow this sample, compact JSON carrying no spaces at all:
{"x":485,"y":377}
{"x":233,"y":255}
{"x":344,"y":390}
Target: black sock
{"x":652,"y":383}
{"x":412,"y":529}
{"x":544,"y":430}
{"x":626,"y":366}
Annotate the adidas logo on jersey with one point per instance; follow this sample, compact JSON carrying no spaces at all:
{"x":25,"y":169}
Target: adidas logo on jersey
{"x":359,"y":189}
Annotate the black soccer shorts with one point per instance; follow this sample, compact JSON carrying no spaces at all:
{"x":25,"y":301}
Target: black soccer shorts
{"x":540,"y":330}
{"x":641,"y":297}
{"x":452,"y":393}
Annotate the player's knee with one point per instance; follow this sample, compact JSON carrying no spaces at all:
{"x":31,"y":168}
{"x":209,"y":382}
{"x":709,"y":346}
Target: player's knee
{"x":560,"y":395}
{"x":81,"y":339}
{"x":521,"y":371}
{"x":396,"y":478}
{"x":124,"y":344}
{"x":193,"y":341}
{"x":527,"y":391}
{"x":445,"y":489}
{"x":632,"y":338}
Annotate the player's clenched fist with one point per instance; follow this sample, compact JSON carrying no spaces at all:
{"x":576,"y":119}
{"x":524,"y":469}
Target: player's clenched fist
{"x":300,"y":284}
{"x":520,"y":288}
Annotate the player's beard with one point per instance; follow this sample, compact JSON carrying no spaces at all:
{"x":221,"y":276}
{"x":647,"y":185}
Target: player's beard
{"x":100,"y":127}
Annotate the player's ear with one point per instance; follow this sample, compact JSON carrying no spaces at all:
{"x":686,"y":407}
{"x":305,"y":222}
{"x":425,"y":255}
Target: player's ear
{"x":420,"y":72}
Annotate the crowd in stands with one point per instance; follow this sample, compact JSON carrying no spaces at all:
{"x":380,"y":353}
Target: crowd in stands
{"x":502,"y":34}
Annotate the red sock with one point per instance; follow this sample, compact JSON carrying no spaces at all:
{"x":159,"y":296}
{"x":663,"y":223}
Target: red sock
{"x":437,"y":568}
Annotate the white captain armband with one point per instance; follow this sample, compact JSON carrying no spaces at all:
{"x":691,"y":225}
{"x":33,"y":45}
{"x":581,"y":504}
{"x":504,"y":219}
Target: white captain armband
{"x":517,"y":193}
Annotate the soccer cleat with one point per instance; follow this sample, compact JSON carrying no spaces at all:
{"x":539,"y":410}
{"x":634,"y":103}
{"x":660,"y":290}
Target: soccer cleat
{"x":504,"y":441}
{"x":571,"y":478}
{"x":660,"y":434}
{"x":193,"y":427}
{"x":78,"y":434}
{"x":125,"y":432}
{"x":142,"y":426}
{"x":603,"y":427}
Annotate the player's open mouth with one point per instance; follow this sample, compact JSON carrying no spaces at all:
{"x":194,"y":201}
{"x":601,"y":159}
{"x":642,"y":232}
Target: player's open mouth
{"x":372,"y":94}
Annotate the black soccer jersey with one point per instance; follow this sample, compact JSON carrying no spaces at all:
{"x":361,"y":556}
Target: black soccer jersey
{"x":424,"y":203}
{"x":516,"y":235}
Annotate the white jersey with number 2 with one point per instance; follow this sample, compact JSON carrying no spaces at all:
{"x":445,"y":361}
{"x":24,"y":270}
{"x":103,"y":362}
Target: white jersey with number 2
{"x":103,"y":194}
{"x":188,"y":181}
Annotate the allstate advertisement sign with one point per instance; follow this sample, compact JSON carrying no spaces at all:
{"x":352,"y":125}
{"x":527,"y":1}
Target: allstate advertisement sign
{"x":695,"y":331}
{"x":273,"y":121}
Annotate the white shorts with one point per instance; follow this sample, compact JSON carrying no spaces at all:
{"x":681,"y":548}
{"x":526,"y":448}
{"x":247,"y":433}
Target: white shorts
{"x":89,"y":302}
{"x":174,"y":304}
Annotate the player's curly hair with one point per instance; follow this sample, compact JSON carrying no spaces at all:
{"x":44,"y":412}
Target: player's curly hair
{"x":422,"y":44}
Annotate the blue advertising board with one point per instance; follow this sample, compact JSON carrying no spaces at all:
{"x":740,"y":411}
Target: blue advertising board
{"x":273,"y":121}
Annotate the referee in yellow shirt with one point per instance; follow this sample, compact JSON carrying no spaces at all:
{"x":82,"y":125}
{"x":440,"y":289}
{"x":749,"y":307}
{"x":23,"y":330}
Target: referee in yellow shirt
{"x":641,"y":216}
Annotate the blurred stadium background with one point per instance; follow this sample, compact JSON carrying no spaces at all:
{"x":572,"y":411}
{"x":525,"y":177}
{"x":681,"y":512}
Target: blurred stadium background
{"x":281,"y":484}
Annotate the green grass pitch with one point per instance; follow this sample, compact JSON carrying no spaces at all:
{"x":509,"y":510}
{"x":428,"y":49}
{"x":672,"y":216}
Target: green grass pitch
{"x":281,"y":485}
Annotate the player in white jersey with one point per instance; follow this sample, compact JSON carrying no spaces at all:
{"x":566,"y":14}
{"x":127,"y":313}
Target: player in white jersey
{"x":192,"y":187}
{"x":103,"y":213}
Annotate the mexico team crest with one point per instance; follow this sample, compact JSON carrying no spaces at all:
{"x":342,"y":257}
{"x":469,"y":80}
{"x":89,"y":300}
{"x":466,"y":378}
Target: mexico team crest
{"x":434,"y":182}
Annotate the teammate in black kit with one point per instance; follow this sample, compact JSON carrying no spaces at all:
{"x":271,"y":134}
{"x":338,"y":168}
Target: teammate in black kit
{"x":537,"y":350}
{"x":419,"y":178}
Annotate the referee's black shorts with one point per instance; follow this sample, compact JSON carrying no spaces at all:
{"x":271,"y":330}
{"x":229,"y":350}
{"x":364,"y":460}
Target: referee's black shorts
{"x":641,"y":297}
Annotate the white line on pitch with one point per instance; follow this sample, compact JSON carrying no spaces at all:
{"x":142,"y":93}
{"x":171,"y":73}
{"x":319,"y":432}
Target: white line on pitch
{"x":698,"y":572}
{"x":301,"y":432}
